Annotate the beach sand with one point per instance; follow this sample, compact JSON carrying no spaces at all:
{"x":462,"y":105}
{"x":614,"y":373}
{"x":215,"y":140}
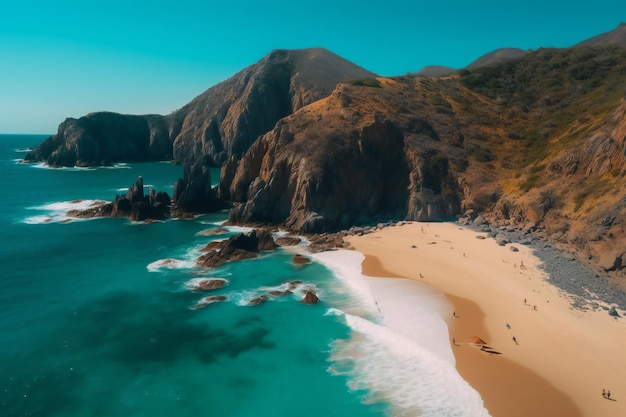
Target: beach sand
{"x":563,"y":357}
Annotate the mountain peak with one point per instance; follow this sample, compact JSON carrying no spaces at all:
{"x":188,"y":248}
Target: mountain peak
{"x":616,"y":37}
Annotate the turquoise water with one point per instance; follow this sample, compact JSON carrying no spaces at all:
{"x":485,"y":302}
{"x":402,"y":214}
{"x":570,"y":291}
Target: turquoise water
{"x":87,"y":329}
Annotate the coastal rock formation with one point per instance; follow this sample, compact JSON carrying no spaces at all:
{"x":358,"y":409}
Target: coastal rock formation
{"x":309,"y":297}
{"x":135,"y":205}
{"x":193,"y":193}
{"x":239,"y":247}
{"x":354,"y":162}
{"x":104,"y":138}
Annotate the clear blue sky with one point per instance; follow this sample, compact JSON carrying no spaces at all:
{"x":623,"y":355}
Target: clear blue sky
{"x":67,"y":58}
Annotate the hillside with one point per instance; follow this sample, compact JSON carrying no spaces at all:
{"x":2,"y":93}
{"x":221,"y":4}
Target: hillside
{"x":536,"y":143}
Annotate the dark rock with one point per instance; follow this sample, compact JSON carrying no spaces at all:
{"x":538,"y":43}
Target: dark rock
{"x":236,"y":248}
{"x":300,"y":260}
{"x":102,"y":138}
{"x":193,"y":193}
{"x":513,"y":249}
{"x":265,"y":241}
{"x":134,"y":205}
{"x":613,"y":312}
{"x":309,"y":297}
{"x":482,"y":237}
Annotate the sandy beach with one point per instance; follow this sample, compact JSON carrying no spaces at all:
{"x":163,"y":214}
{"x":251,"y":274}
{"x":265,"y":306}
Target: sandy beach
{"x":543,"y":357}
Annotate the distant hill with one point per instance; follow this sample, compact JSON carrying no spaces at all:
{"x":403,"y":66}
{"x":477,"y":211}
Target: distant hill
{"x":435,"y":71}
{"x":614,"y":37}
{"x":497,"y":56}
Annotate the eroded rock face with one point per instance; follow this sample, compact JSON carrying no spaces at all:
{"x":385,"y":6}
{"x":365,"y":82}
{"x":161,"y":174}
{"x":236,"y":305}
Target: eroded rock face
{"x":193,"y":193}
{"x":327,"y":179}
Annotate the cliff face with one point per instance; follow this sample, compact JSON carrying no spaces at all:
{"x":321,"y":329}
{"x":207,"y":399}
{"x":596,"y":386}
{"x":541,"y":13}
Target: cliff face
{"x":226,"y":119}
{"x":346,"y":160}
{"x":222,"y":122}
{"x":103,"y":138}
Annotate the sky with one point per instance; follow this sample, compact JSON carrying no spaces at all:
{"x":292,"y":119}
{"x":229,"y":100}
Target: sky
{"x":68,"y":58}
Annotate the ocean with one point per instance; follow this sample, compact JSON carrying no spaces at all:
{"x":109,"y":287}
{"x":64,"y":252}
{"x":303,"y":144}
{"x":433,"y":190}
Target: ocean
{"x":99,"y":317}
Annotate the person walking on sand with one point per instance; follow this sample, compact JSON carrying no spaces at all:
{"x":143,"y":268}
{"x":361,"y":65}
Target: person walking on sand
{"x":608,"y":394}
{"x":603,"y":393}
{"x":515,"y":340}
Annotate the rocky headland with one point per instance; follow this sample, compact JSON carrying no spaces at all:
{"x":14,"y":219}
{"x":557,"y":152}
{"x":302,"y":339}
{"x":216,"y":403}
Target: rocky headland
{"x":531,"y":141}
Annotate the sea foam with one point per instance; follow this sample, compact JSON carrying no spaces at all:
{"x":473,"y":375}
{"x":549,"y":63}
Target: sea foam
{"x":57,"y":212}
{"x":401,"y":354}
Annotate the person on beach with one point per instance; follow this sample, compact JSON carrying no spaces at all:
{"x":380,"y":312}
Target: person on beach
{"x":608,"y":394}
{"x":515,"y":340}
{"x":603,"y":393}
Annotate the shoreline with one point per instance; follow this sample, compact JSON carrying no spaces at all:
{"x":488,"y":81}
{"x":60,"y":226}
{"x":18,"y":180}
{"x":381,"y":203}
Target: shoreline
{"x":564,"y":355}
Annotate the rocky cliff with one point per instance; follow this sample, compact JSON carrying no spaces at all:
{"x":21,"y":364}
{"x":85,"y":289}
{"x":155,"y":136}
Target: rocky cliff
{"x":103,"y":138}
{"x":221,"y":122}
{"x":361,"y":154}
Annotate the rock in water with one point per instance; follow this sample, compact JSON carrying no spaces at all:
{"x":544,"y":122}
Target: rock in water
{"x":309,"y":297}
{"x":239,"y":247}
{"x":300,"y":260}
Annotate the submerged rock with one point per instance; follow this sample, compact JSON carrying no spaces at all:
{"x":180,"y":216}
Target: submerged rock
{"x":210,"y":300}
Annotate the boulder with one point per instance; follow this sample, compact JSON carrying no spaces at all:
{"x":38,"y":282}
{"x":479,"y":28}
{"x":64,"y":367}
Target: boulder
{"x":613,"y":312}
{"x":300,"y":260}
{"x":208,"y":284}
{"x":309,"y":297}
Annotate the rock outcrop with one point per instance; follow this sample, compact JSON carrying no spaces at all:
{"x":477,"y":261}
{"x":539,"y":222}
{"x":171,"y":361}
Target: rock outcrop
{"x":193,"y":193}
{"x":135,"y":205}
{"x":104,"y":138}
{"x":239,"y":247}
